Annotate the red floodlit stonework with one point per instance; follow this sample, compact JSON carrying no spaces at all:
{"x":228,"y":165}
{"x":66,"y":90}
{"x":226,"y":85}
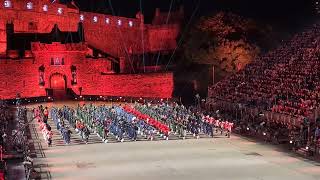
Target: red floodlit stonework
{"x":72,"y":66}
{"x":31,"y":77}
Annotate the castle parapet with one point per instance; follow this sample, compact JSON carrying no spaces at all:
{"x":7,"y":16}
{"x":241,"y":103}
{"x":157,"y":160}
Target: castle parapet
{"x":42,"y":6}
{"x":109,"y":20}
{"x":38,"y":16}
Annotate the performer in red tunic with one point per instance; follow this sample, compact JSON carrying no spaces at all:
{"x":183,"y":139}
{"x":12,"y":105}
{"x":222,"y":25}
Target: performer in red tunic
{"x":229,"y":129}
{"x":222,"y":126}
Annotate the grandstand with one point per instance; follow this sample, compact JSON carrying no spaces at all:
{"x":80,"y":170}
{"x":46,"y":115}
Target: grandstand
{"x":280,"y":87}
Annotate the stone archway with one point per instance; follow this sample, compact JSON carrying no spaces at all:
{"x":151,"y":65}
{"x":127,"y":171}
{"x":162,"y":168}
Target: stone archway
{"x":58,"y":81}
{"x":58,"y":84}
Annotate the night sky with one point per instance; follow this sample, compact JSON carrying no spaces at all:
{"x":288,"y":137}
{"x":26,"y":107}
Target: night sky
{"x":282,"y":13}
{"x":266,"y":9}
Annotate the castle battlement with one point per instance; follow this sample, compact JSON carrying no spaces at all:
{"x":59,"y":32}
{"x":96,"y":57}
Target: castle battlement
{"x":109,"y":20}
{"x":43,"y":6}
{"x":116,"y":44}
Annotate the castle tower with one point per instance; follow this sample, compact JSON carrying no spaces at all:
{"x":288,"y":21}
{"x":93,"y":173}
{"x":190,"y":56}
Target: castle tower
{"x":140,"y":16}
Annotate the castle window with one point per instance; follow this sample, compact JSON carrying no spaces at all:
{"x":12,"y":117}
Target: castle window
{"x":41,"y":76}
{"x":74,"y":75}
{"x":29,"y":5}
{"x":119,"y":22}
{"x":95,"y":19}
{"x":45,"y":8}
{"x":107,"y":21}
{"x":130,"y":23}
{"x":60,"y":10}
{"x":81,"y":17}
{"x":57,"y":61}
{"x":7,"y":4}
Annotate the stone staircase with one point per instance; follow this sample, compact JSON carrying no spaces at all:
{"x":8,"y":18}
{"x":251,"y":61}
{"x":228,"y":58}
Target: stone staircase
{"x":59,"y":94}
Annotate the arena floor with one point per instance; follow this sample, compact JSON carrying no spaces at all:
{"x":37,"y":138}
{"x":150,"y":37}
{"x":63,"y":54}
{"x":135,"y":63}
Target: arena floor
{"x":215,"y":159}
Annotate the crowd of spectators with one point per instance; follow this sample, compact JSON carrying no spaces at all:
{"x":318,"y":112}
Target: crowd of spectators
{"x":284,"y":81}
{"x":13,"y":135}
{"x":5,"y":117}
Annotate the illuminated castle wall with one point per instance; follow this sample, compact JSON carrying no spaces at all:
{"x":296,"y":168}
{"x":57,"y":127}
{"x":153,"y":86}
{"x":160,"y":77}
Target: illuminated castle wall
{"x":118,"y":37}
